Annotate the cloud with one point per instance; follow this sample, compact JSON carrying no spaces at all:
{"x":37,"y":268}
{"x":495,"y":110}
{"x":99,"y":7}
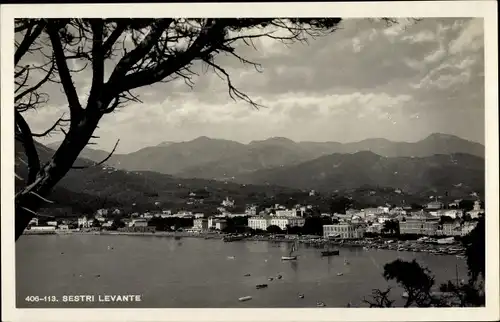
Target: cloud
{"x":366,"y":79}
{"x":470,"y":39}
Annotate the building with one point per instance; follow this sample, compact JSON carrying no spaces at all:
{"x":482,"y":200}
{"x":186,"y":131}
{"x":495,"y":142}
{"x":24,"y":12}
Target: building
{"x":452,"y":229}
{"x":467,"y":227}
{"x":138,"y":222}
{"x":83,"y":222}
{"x":375,"y":211}
{"x":374,"y":228}
{"x":220,"y":224}
{"x":42,"y":229}
{"x":259,"y":222}
{"x":200,"y":223}
{"x":251,"y":211}
{"x":476,"y":211}
{"x":100,"y":218}
{"x":286,"y":213}
{"x":435,"y":205}
{"x":227,"y":202}
{"x":419,"y":226}
{"x":52,"y":223}
{"x":63,"y":227}
{"x":102,"y":212}
{"x":343,"y":231}
{"x":383,"y":219}
{"x":199,"y":215}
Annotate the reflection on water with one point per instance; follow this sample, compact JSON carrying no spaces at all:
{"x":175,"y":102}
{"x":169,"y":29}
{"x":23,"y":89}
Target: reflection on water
{"x":198,"y":273}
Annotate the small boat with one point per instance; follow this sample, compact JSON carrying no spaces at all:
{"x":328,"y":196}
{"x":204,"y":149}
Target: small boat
{"x":259,"y":286}
{"x":244,"y":298}
{"x":301,"y":296}
{"x":279,"y":277}
{"x":320,"y":304}
{"x":460,"y":256}
{"x":330,"y":252}
{"x":230,"y":257}
{"x":291,"y":257}
{"x":270,"y":279}
{"x":246,"y":275}
{"x":340,"y":274}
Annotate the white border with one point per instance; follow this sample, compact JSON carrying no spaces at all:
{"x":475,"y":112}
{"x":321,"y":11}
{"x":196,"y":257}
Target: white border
{"x":485,"y":9}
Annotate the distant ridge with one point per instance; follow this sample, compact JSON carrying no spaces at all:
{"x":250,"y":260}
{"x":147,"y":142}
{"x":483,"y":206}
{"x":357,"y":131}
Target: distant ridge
{"x":220,"y":159}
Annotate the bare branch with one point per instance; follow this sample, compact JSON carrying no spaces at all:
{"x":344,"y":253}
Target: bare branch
{"x":48,"y":131}
{"x":38,"y":85}
{"x":40,"y":197}
{"x":233,"y":91}
{"x":28,"y":39}
{"x":101,"y":162}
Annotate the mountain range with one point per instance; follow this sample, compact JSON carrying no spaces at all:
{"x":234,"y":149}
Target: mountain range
{"x":273,"y":168}
{"x":229,"y":160}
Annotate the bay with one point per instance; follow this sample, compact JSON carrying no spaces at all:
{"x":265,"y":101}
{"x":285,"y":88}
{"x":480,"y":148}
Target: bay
{"x":199,"y":273}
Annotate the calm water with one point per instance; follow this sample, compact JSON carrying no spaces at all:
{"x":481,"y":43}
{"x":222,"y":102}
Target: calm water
{"x":195,"y":272}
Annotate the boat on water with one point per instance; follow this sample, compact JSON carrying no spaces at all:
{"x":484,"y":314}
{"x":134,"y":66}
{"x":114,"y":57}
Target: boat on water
{"x":244,"y":298}
{"x":320,"y":304}
{"x":460,"y":256}
{"x":232,"y":238}
{"x":259,"y":286}
{"x":330,"y":252}
{"x":290,"y":256}
{"x":340,"y":274}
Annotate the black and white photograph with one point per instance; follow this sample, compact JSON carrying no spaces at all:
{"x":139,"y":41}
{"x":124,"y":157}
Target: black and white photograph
{"x":233,"y":159}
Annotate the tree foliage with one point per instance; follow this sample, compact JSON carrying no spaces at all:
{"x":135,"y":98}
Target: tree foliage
{"x":416,"y":281}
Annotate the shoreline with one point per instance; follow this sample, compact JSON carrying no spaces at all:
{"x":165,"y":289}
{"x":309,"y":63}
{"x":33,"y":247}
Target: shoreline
{"x":410,"y":246}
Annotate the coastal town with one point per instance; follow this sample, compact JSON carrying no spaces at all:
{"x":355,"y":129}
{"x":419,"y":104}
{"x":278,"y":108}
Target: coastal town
{"x":434,"y":223}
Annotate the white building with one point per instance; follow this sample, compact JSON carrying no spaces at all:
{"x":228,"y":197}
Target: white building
{"x":259,"y":222}
{"x":467,"y":227}
{"x":383,"y":219}
{"x":100,"y":218}
{"x":286,"y":213}
{"x":199,"y":215}
{"x":227,"y":202}
{"x":251,"y":211}
{"x":220,"y":224}
{"x":63,"y":227}
{"x":102,"y":212}
{"x":344,"y":231}
{"x":52,"y":223}
{"x":200,"y":223}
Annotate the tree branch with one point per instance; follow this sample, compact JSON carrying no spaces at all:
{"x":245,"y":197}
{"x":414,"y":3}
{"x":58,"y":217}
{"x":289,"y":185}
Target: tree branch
{"x":37,"y":86}
{"x":51,"y":128}
{"x":131,"y":58}
{"x":29,"y":147}
{"x":28,"y":39}
{"x":97,"y":63}
{"x":64,"y":75}
{"x":101,"y":162}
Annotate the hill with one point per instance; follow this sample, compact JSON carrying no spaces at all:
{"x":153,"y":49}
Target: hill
{"x":86,"y":190}
{"x":224,"y":159}
{"x":456,"y":173}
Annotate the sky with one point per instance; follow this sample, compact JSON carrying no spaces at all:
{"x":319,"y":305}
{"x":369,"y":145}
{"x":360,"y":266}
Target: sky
{"x":366,"y":80}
